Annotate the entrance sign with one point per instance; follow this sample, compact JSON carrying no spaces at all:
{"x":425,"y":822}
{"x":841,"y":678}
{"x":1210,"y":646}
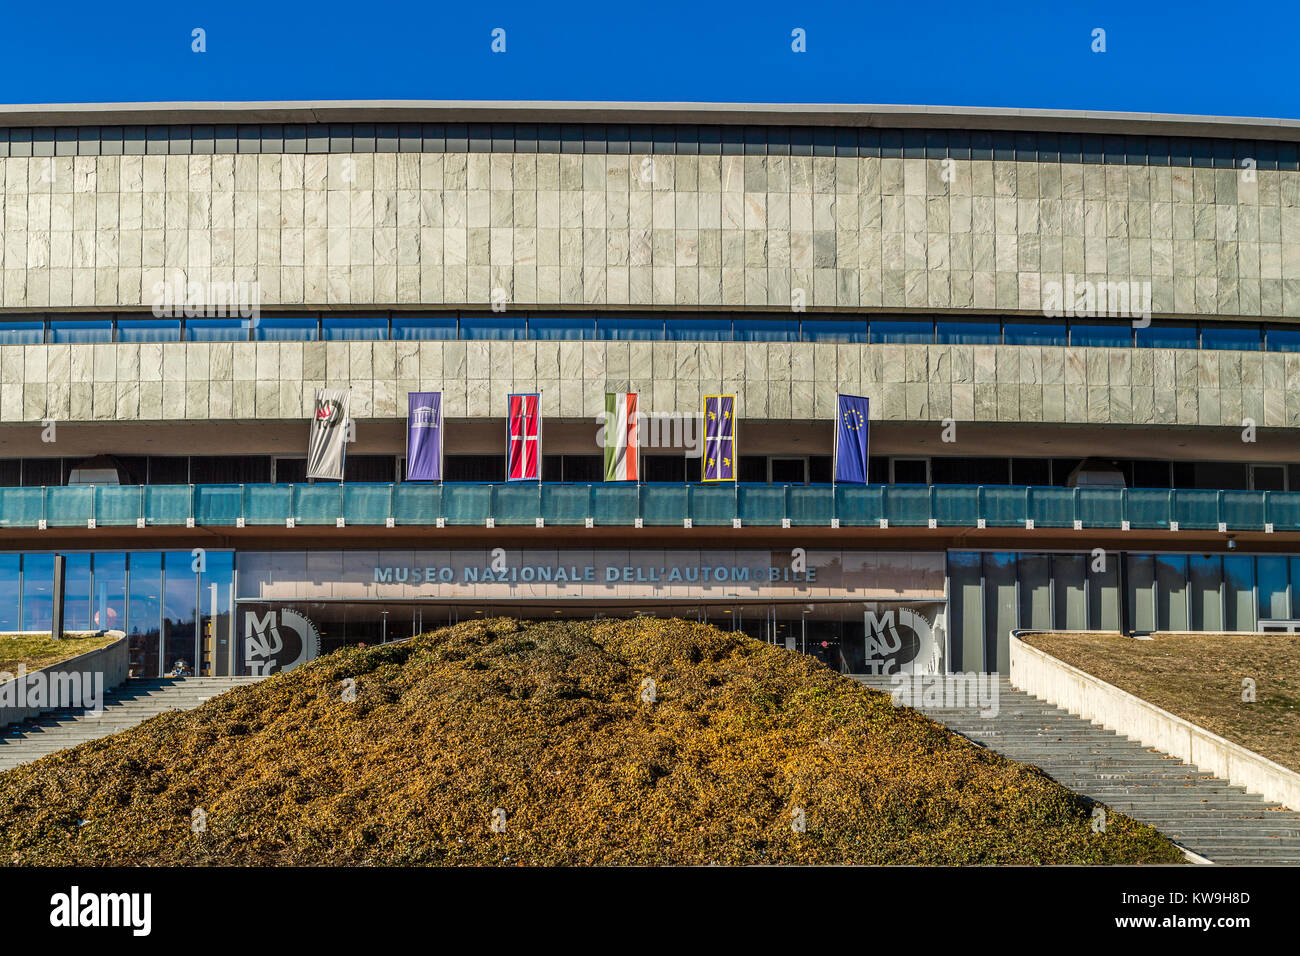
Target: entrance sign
{"x":607,"y":574}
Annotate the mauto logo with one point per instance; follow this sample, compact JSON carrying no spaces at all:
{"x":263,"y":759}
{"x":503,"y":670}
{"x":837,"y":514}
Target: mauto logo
{"x":899,"y":639}
{"x":277,"y":639}
{"x":329,"y":412}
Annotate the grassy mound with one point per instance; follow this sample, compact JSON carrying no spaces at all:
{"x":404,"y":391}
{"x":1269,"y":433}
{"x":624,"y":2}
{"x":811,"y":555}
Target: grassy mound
{"x":34,"y":651}
{"x":545,"y":721}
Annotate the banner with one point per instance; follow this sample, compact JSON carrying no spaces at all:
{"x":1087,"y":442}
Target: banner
{"x":524,"y":451}
{"x":327,"y":445}
{"x":719,"y":438}
{"x":851,"y":430}
{"x":621,"y":448}
{"x":424,"y":436}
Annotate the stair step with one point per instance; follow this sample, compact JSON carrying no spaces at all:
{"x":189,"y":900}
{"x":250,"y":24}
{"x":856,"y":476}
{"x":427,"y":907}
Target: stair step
{"x":126,"y":707}
{"x":1207,"y":814}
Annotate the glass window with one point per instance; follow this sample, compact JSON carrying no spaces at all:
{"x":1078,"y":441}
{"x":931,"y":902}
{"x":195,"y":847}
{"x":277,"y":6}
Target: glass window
{"x":1245,"y":338}
{"x":77,"y":611}
{"x":1166,"y":337}
{"x":22,"y":333}
{"x":967,"y":643}
{"x":1274,"y":604}
{"x":9,"y":592}
{"x":88,"y":330}
{"x":1295,"y":586}
{"x":766,"y":330}
{"x":148,"y":330}
{"x":1000,"y":609}
{"x":215,"y":637}
{"x":902,"y":330}
{"x":1034,"y":571}
{"x":1171,"y":592}
{"x":282,"y":329}
{"x":561,"y":328}
{"x":1103,"y":596}
{"x":1035,"y":333}
{"x":834,"y":330}
{"x":38,"y":591}
{"x":1282,"y":340}
{"x":698,"y":330}
{"x":968,"y":333}
{"x":1205,"y":578}
{"x":1238,"y":592}
{"x":217,"y":330}
{"x":629,"y":328}
{"x":1105,"y":334}
{"x":424,"y":327}
{"x":110,"y":592}
{"x":1067,"y":583}
{"x":1140,"y":580}
{"x":354,"y":328}
{"x":144,"y":613}
{"x":493,"y":327}
{"x":180,"y":594}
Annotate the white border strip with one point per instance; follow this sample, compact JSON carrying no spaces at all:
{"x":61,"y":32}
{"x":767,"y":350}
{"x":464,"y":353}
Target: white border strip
{"x":1063,"y":685}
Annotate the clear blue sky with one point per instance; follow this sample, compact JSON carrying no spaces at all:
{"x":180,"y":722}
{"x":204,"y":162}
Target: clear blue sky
{"x":1163,"y":56}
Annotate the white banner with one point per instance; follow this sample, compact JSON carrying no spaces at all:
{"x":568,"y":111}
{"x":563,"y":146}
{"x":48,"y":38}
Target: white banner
{"x":327,"y":445}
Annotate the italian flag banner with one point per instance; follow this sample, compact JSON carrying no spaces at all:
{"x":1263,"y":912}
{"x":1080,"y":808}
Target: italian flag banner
{"x":621,"y":437}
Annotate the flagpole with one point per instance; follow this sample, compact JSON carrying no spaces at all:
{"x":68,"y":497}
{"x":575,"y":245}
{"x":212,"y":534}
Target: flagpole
{"x":835,"y":447}
{"x":735,"y":460}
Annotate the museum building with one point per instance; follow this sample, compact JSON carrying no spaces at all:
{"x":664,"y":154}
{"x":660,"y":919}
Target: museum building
{"x":634,"y":328}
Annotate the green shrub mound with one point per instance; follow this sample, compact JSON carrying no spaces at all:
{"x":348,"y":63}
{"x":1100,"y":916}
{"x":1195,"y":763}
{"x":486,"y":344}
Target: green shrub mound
{"x":402,"y":754}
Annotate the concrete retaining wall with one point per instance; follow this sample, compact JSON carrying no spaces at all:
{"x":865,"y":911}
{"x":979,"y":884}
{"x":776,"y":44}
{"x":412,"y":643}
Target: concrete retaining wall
{"x":78,"y":682}
{"x":1042,"y":675}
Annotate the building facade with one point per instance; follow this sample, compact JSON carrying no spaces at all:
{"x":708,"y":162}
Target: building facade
{"x":1079,"y":335}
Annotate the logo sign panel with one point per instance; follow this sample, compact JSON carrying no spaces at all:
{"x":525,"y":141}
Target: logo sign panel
{"x":276,"y":639}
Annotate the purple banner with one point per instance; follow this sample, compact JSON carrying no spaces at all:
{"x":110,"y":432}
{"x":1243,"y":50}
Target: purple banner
{"x":719,"y":438}
{"x":424,"y":436}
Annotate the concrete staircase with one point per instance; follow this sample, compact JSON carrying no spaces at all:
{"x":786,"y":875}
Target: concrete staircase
{"x":1202,"y":813}
{"x":131,"y":704}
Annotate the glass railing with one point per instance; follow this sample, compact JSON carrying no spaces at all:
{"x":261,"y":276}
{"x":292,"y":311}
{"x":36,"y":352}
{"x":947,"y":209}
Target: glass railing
{"x":647,"y":505}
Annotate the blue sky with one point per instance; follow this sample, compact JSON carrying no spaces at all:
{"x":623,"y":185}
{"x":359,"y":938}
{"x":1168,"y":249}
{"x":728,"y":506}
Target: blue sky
{"x":1188,"y":57}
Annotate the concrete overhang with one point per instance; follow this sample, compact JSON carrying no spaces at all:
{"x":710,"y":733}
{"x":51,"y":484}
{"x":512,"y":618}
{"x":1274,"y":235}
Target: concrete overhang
{"x":728,"y":114}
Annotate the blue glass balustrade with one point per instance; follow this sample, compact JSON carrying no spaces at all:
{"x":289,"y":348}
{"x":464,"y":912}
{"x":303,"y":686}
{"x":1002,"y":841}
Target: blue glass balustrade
{"x":618,"y":504}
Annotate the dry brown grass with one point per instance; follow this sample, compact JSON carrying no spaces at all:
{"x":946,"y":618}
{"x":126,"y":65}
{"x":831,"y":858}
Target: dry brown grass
{"x":1199,"y":677}
{"x":544,"y":720}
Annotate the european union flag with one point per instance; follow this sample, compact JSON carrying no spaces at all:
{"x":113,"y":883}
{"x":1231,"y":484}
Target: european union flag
{"x":851,"y":439}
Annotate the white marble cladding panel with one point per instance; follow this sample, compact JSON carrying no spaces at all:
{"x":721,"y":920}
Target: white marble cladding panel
{"x":250,"y":381}
{"x":574,"y":230}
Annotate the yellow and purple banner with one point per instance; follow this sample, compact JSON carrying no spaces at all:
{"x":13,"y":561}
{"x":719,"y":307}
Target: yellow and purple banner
{"x":719,"y":438}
